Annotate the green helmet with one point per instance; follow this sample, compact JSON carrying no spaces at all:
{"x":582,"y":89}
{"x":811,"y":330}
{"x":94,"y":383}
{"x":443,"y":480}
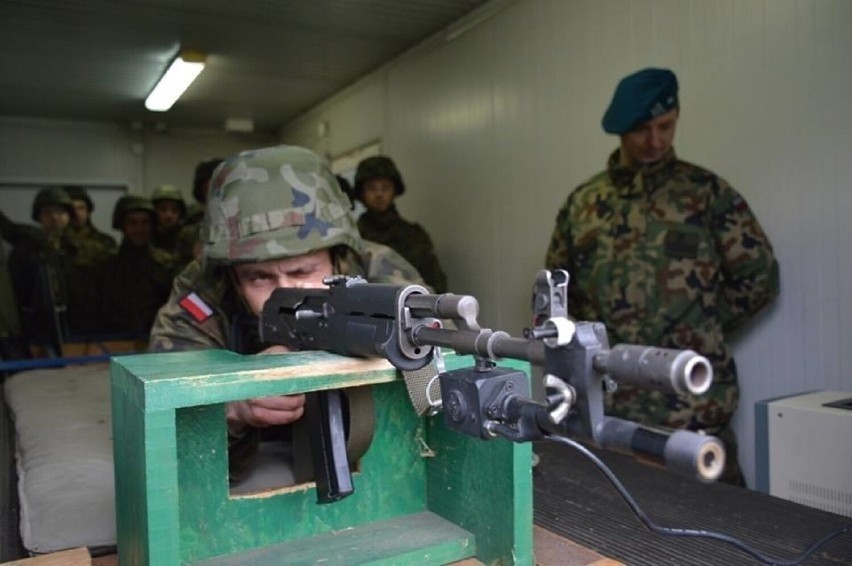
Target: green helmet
{"x":79,"y":193}
{"x":374,"y":167}
{"x":128,"y":203}
{"x":274,"y":203}
{"x":169,"y":192}
{"x":203,"y":172}
{"x":51,"y":195}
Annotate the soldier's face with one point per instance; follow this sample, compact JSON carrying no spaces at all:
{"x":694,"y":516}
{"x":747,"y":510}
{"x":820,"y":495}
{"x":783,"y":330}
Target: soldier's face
{"x":378,"y":194}
{"x":650,"y":141}
{"x":81,"y":213}
{"x":137,"y":227}
{"x":168,"y":213}
{"x":53,"y":217}
{"x":256,"y":281}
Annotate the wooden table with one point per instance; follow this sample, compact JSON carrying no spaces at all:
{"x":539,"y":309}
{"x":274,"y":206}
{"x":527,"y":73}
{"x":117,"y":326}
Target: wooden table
{"x":574,"y":500}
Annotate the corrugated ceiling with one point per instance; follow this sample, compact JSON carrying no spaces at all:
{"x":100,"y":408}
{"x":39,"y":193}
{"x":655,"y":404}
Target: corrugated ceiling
{"x":268,"y":60}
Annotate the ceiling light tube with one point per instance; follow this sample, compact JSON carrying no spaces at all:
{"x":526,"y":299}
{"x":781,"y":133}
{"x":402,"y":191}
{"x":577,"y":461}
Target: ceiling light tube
{"x":180,"y":74}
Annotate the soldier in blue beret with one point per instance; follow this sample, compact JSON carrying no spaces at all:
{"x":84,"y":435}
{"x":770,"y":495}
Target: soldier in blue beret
{"x":664,"y":252}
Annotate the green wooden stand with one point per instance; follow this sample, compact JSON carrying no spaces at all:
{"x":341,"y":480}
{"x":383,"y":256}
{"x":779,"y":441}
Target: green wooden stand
{"x":423,"y":494}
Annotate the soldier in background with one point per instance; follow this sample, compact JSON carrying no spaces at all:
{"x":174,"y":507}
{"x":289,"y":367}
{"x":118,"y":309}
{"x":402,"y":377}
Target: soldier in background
{"x":81,"y":223}
{"x":11,"y":344}
{"x":52,"y":273}
{"x":170,"y":211}
{"x":666,"y":253}
{"x":135,"y":281}
{"x":14,"y":343}
{"x":292,"y":228}
{"x":377,"y":184}
{"x":189,"y":241}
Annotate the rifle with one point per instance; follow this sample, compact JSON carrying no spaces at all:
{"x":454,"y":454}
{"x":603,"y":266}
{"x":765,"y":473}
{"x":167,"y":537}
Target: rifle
{"x":405,"y":324}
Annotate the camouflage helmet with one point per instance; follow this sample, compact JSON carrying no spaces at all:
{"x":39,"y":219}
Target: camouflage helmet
{"x":374,"y":167}
{"x":79,"y":193}
{"x":129,"y":203}
{"x":51,"y":195}
{"x":274,"y":203}
{"x":169,"y":192}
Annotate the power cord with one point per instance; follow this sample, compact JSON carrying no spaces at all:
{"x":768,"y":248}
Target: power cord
{"x":631,"y":502}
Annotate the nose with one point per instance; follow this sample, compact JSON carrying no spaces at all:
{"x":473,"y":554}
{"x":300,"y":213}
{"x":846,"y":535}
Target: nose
{"x":655,"y":140}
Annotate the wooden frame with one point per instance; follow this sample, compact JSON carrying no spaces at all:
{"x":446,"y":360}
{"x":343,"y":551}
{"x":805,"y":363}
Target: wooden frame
{"x":423,"y":494}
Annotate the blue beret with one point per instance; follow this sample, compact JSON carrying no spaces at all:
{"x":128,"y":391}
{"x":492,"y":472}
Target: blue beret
{"x":639,"y":97}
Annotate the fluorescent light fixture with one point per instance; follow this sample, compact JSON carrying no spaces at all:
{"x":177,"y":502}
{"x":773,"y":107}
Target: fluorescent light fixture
{"x":239,"y":125}
{"x":180,"y":74}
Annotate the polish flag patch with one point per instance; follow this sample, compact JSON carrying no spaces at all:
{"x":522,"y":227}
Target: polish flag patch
{"x":195,"y":306}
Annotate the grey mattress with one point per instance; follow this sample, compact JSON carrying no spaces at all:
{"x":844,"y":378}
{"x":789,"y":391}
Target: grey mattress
{"x":64,"y":457}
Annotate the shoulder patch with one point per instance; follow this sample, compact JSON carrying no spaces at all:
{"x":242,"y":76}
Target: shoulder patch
{"x":196,"y":307}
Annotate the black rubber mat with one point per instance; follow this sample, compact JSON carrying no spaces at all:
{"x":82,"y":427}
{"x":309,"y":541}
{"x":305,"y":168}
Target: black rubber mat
{"x":574,"y":499}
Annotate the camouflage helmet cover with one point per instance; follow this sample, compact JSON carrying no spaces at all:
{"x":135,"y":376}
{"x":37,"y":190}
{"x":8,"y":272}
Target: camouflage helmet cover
{"x":375,"y":167}
{"x":129,"y":203}
{"x":51,"y":195}
{"x":274,"y":203}
{"x":169,"y":192}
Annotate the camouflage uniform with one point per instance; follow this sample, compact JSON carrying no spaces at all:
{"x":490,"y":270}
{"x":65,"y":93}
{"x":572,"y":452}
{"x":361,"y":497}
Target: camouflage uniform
{"x":134,"y":282}
{"x":52,"y":275}
{"x":167,"y":239}
{"x":409,"y":239}
{"x":99,"y":243}
{"x":96,"y":242}
{"x":668,"y":255}
{"x":272,"y":203}
{"x":177,"y":329}
{"x":11,"y":345}
{"x":268,"y":204}
{"x":390,"y":229}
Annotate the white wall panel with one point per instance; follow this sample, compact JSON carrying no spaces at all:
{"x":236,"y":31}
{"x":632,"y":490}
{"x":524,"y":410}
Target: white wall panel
{"x":352,"y":120}
{"x":44,"y":151}
{"x":49,"y":151}
{"x":493,"y":129}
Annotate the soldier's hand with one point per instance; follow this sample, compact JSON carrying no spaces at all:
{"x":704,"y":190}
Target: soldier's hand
{"x":265,"y":411}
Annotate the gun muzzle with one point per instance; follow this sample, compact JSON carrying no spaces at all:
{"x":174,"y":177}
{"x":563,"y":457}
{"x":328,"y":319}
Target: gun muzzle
{"x":682,"y":451}
{"x":661,"y":369}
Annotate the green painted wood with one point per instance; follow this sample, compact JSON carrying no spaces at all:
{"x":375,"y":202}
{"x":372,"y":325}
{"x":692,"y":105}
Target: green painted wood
{"x":403,"y":540}
{"x":484,"y":486}
{"x":186,"y":379}
{"x":173,"y":504}
{"x":146,"y":480}
{"x":391,"y":483}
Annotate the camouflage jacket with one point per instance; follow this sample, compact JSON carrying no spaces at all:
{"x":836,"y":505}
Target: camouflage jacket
{"x":410,"y":240}
{"x":178,"y":328}
{"x":133,"y":283}
{"x":167,"y":241}
{"x":671,"y":256}
{"x":53,"y":277}
{"x":98,"y":243}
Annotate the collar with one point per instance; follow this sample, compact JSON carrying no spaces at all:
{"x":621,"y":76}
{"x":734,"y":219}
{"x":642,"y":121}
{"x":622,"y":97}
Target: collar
{"x":381,"y":218}
{"x":638,"y":179}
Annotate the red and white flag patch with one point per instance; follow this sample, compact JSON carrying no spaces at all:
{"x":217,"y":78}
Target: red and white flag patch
{"x":195,"y":306}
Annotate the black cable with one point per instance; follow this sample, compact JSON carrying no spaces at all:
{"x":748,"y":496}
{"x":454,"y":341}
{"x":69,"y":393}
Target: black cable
{"x":622,"y":491}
